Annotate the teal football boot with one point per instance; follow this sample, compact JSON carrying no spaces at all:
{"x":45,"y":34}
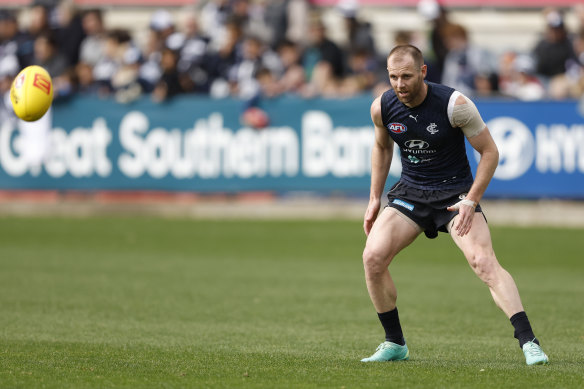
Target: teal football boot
{"x":388,"y":351}
{"x":534,"y":355}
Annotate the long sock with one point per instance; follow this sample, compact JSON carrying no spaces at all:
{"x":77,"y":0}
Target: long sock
{"x":393,"y":331}
{"x":523,"y":332}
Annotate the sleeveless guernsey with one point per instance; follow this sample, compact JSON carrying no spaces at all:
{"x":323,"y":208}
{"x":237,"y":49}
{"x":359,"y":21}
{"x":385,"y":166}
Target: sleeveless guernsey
{"x":433,"y":153}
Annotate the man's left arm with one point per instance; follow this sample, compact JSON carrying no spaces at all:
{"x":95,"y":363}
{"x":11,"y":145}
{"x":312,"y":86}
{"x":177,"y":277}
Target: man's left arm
{"x":467,"y":117}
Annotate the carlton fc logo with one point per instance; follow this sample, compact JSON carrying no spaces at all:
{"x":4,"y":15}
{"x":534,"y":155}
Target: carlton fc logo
{"x":397,"y":128}
{"x":432,"y":128}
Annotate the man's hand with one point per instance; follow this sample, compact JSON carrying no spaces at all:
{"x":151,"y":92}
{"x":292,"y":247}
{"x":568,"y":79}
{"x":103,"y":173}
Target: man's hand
{"x":370,"y":215}
{"x":466,"y":211}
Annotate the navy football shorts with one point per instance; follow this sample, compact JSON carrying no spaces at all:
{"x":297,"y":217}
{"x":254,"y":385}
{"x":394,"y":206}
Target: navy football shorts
{"x":426,"y":208}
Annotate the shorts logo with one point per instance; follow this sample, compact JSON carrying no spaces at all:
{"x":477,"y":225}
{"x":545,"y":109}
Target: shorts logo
{"x":417,"y":144}
{"x":397,"y":128}
{"x":403,"y":204}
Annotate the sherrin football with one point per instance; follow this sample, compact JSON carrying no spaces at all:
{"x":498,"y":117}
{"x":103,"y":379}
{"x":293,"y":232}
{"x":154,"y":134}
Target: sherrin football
{"x":31,"y":93}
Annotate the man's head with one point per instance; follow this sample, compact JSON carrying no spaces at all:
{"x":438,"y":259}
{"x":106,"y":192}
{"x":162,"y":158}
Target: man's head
{"x":406,"y":70}
{"x":92,"y":21}
{"x":45,"y":47}
{"x":455,"y":37}
{"x":316,"y":30}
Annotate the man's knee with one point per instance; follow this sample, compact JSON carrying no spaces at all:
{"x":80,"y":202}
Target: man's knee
{"x":374,"y":262}
{"x":485,"y":265}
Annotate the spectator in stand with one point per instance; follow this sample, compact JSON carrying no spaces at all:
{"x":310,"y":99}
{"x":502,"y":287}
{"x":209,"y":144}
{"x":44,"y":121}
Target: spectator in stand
{"x":578,"y":10}
{"x":193,"y":57}
{"x":554,"y":50}
{"x":505,"y":69}
{"x":39,"y":19}
{"x":256,"y":56}
{"x":359,"y":34}
{"x":92,"y":46}
{"x":324,"y":62}
{"x":294,"y":76}
{"x":292,"y":79}
{"x":517,"y":79}
{"x":126,"y":80}
{"x":362,"y":73}
{"x":553,"y":55}
{"x":287,"y":20}
{"x":12,"y":41}
{"x":359,"y":51}
{"x":253,"y":13}
{"x":161,"y":28}
{"x":403,"y":37}
{"x":232,"y":49}
{"x":214,"y":17}
{"x":579,"y":46}
{"x":69,"y":31}
{"x":8,"y":45}
{"x":170,"y":83}
{"x":276,"y":18}
{"x":116,"y":45}
{"x":47,"y":55}
{"x":576,"y":68}
{"x":269,"y":85}
{"x":568,"y":83}
{"x":150,"y":70}
{"x":84,"y":82}
{"x":222,"y":61}
{"x":362,"y":61}
{"x":486,"y":84}
{"x":162,"y":24}
{"x":464,"y":62}
{"x":437,"y":15}
{"x":8,"y":31}
{"x":38,"y":23}
{"x":8,"y":70}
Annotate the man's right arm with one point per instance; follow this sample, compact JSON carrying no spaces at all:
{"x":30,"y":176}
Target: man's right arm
{"x":381,"y":156}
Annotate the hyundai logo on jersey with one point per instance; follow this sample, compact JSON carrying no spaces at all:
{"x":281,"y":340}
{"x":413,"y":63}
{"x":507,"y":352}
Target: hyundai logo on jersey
{"x":417,"y":144}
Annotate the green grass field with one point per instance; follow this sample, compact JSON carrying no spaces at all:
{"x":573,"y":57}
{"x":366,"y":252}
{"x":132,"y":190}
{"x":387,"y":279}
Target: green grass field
{"x":155,"y":303}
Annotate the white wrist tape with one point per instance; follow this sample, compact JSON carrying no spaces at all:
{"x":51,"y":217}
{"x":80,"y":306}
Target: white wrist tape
{"x":470,"y":203}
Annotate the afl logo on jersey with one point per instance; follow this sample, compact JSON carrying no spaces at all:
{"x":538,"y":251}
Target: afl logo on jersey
{"x":397,"y":128}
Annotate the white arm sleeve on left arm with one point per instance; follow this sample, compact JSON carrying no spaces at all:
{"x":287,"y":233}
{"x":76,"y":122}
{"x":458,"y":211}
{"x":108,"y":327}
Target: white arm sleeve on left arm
{"x":465,"y":116}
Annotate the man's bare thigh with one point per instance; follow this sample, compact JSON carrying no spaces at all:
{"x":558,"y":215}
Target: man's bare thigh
{"x":391,"y":233}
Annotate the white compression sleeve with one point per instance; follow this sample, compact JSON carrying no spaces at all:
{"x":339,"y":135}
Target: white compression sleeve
{"x":467,"y":118}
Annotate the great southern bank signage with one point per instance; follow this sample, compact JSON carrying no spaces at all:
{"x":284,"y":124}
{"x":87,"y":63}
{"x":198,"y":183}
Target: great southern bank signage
{"x":199,"y":144}
{"x":541,"y":148}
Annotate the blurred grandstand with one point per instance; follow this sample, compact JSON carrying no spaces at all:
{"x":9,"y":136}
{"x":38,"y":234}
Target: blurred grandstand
{"x":107,"y":56}
{"x":248,"y":48}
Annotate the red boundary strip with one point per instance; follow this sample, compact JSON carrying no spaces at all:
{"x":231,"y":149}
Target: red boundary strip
{"x":402,"y":3}
{"x":462,"y":3}
{"x":138,"y":3}
{"x":127,"y":197}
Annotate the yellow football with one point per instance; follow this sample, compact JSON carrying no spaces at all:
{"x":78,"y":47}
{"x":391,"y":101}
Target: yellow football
{"x":31,"y":93}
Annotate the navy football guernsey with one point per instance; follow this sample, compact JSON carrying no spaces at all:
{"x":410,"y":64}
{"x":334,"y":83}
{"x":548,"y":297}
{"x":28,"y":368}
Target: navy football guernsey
{"x":433,"y":153}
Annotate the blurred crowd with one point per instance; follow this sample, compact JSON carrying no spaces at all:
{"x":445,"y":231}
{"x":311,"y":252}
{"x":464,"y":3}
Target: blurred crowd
{"x":254,"y":49}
